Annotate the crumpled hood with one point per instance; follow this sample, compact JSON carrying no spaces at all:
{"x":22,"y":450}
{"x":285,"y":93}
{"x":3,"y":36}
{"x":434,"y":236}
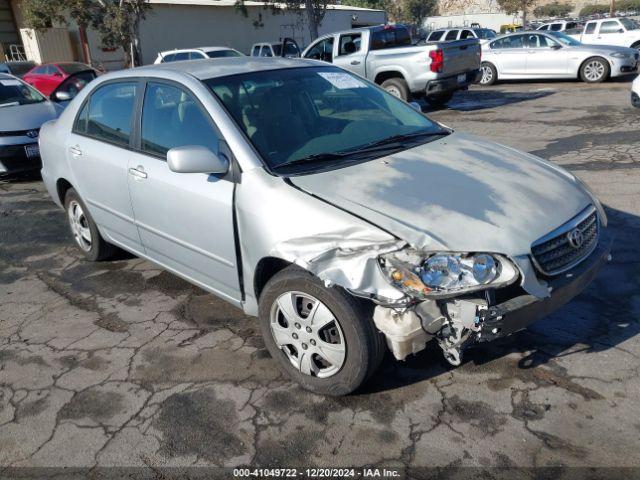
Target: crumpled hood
{"x":458,"y":193}
{"x":27,"y":117}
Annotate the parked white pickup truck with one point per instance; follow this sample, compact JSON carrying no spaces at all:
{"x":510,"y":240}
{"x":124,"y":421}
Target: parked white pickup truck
{"x":622,"y":32}
{"x":385,"y":55}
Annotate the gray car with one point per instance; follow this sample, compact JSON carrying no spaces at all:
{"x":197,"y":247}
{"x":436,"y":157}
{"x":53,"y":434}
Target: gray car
{"x":340,"y":216}
{"x":22,"y":111}
{"x":549,"y":55}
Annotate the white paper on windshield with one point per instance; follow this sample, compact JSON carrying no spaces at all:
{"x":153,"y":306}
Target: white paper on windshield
{"x":341,"y":80}
{"x":10,"y":83}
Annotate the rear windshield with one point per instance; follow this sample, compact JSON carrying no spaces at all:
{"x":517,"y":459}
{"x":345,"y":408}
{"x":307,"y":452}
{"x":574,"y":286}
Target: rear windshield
{"x":390,"y":37}
{"x":223,"y":54}
{"x":71,"y":68}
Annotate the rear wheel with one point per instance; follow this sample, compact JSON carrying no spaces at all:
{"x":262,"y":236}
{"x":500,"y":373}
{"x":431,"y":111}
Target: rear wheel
{"x":594,"y":70}
{"x":84,"y":230}
{"x":397,"y":87}
{"x":439,"y":101}
{"x":324,"y":338}
{"x":489,"y":74}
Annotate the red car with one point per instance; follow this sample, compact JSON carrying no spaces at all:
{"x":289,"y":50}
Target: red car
{"x":48,"y":76}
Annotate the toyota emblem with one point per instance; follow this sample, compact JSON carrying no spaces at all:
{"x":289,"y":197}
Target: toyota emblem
{"x":575,"y":238}
{"x":32,"y":133}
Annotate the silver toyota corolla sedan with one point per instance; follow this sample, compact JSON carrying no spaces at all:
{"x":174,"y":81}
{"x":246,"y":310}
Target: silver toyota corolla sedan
{"x":22,"y":111}
{"x":340,"y":216}
{"x":548,"y":55}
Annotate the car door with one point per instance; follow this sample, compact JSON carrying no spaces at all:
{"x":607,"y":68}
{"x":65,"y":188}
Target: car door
{"x":590,"y":33}
{"x":321,"y":50}
{"x":545,"y":57}
{"x":610,"y":33}
{"x":98,"y":151}
{"x":185,"y":220}
{"x":350,"y":53}
{"x":510,"y":55}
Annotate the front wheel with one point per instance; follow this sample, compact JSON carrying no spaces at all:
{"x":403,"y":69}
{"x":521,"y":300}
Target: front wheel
{"x":594,"y":70}
{"x":397,"y":87}
{"x":324,"y":338}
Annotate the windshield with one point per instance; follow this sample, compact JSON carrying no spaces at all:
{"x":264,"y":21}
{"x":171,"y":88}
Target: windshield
{"x":565,"y":39}
{"x":15,"y":92}
{"x":629,"y":24}
{"x":301,"y":114}
{"x":485,"y":33}
{"x":71,"y":68}
{"x":223,"y":53}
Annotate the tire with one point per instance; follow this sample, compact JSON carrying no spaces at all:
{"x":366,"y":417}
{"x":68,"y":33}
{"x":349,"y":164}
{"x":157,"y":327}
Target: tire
{"x":439,"y":101}
{"x":489,"y":74}
{"x":594,"y":70}
{"x":397,"y":87}
{"x":333,"y":315}
{"x":84,"y":229}
{"x":636,"y":46}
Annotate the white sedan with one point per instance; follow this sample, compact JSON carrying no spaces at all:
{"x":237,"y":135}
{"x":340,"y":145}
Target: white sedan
{"x":542,"y":55}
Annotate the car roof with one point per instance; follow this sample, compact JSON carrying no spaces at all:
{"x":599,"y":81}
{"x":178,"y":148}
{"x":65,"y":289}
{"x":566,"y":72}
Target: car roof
{"x":201,"y":49}
{"x":219,"y":67}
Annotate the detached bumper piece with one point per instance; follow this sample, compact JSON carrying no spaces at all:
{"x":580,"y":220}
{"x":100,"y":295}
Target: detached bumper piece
{"x":19,"y":158}
{"x":452,"y":83}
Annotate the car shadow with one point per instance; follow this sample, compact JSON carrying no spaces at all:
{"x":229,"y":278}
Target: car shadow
{"x":603,"y":317}
{"x":482,"y":99}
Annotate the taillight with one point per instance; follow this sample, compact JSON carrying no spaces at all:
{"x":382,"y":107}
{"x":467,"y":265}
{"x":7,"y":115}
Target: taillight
{"x":437,"y":60}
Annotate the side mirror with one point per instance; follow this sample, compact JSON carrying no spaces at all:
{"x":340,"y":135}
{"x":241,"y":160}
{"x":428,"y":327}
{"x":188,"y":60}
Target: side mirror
{"x":62,"y":96}
{"x":196,"y":159}
{"x":556,"y":47}
{"x":416,"y":106}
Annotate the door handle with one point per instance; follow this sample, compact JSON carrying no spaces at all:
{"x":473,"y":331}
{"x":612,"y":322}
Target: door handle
{"x":75,"y":151}
{"x":355,"y":62}
{"x":138,"y":172}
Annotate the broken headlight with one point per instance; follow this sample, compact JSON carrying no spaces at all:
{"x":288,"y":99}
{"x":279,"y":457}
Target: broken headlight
{"x":447,"y":273}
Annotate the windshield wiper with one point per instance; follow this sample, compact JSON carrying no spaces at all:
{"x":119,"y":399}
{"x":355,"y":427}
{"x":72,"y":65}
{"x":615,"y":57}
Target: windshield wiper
{"x":10,"y":104}
{"x":393,"y":142}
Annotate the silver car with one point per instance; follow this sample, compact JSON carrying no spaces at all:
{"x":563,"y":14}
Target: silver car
{"x":22,"y":111}
{"x":340,"y":216}
{"x":548,"y":55}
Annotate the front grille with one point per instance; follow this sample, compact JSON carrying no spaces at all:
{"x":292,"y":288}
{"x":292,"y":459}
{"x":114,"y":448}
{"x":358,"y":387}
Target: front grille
{"x":568,"y":245}
{"x":18,"y":133}
{"x":14,"y":159}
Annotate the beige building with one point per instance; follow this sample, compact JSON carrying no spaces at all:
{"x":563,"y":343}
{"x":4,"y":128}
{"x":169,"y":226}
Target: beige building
{"x":196,"y":23}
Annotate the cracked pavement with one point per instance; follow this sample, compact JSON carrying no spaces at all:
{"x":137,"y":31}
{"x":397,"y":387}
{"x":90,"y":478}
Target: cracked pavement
{"x":122,"y":364}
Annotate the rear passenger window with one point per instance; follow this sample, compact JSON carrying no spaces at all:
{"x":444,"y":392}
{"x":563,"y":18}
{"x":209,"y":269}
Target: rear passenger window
{"x":266,"y":51}
{"x":590,"y":28}
{"x":466,"y":34}
{"x":172,"y":118}
{"x":556,"y":27}
{"x":435,"y":36}
{"x":181,"y":56}
{"x":108,"y":114}
{"x":513,"y":41}
{"x":169,"y":58}
{"x":451,"y":35}
{"x":611,"y":26}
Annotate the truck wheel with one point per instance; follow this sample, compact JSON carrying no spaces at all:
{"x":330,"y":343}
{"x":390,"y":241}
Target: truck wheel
{"x":84,"y":230}
{"x":489,"y":74}
{"x":397,"y":87}
{"x":594,"y":70}
{"x":439,"y":101}
{"x":323,"y":338}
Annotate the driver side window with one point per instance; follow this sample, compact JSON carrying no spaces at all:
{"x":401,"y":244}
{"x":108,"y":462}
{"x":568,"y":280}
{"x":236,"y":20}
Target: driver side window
{"x":323,"y":50}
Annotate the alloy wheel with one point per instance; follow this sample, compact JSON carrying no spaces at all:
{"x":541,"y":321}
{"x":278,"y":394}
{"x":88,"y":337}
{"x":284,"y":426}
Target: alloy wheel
{"x":594,"y":71}
{"x":308,"y":334}
{"x":487,"y":75}
{"x":79,"y":226}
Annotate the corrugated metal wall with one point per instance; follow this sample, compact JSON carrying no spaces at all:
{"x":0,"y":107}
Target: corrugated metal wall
{"x":8,"y":32}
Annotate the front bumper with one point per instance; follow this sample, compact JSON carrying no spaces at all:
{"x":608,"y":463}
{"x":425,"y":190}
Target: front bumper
{"x":14,"y":159}
{"x":452,"y":83}
{"x":519,"y":312}
{"x":621,"y":67}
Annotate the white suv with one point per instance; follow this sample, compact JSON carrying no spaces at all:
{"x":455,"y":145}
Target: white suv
{"x":196,"y":54}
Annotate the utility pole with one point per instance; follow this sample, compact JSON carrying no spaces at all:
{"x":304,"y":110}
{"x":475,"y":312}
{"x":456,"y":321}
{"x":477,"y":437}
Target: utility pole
{"x":612,"y":8}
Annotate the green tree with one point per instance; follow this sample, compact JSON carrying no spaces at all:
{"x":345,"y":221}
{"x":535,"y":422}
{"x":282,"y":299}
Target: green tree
{"x":514,"y":7}
{"x":555,"y":9}
{"x":415,"y":11}
{"x":117,"y":21}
